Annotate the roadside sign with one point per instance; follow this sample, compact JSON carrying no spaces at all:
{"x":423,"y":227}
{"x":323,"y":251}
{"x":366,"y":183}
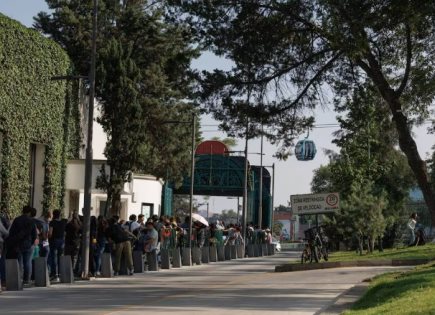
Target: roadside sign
{"x":315,"y":203}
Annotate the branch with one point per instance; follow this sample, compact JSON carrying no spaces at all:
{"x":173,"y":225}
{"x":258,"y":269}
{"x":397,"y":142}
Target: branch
{"x":405,"y":79}
{"x":309,"y":84}
{"x":288,"y":69}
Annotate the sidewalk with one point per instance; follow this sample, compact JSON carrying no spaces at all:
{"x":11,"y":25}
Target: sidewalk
{"x":246,"y":286}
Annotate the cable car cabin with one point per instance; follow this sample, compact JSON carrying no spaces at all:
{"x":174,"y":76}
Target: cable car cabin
{"x":305,"y":150}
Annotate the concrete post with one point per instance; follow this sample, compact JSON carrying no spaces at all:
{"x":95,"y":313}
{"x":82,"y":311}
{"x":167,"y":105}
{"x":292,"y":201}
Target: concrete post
{"x":66,"y":270}
{"x":240,"y":251}
{"x":250,"y":249}
{"x":233,"y":251}
{"x":220,"y":253}
{"x":41,"y":272}
{"x":176,"y":257}
{"x":152,"y":261}
{"x":227,"y":252}
{"x":123,"y":267}
{"x":196,"y":255}
{"x":256,"y":250}
{"x":205,"y":255}
{"x":213,"y":254}
{"x":138,"y":261}
{"x":186,"y":258}
{"x":165,"y":259}
{"x":264,"y":250}
{"x":13,"y":275}
{"x":106,"y":265}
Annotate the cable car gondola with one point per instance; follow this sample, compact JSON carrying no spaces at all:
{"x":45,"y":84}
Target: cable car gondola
{"x":305,"y":150}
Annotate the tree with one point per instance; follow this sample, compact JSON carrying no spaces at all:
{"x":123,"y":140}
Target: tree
{"x":142,"y":82}
{"x":229,"y":142}
{"x":318,"y":46}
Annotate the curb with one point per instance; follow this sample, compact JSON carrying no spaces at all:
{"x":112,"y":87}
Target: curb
{"x":356,"y":263}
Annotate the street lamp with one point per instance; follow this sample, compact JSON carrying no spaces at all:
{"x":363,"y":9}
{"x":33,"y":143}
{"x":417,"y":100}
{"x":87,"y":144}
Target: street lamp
{"x":89,"y":152}
{"x":192,"y":166}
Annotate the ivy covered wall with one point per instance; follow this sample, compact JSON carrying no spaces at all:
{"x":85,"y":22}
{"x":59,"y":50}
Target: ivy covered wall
{"x":34,"y":109}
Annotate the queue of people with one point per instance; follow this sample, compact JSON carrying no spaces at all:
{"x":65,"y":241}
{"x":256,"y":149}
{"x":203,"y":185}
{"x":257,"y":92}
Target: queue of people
{"x":52,"y":236}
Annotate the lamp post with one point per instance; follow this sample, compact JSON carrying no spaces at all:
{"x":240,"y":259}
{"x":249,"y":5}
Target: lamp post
{"x":89,"y":152}
{"x":192,"y":167}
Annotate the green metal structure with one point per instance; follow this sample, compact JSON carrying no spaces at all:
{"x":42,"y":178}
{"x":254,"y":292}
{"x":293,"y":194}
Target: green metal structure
{"x":222,"y":175}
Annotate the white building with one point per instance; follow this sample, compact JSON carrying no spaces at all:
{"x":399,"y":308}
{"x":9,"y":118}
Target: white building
{"x":141,"y":196}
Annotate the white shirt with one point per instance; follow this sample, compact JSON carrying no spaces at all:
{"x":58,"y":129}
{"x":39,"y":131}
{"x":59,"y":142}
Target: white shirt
{"x":411,"y":224}
{"x":131,"y":226}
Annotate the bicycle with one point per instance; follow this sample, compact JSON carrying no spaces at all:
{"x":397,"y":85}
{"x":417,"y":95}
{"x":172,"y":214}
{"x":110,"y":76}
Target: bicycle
{"x":316,"y":247}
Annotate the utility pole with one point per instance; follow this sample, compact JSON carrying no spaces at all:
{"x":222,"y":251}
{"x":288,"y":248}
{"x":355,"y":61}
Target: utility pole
{"x":260,"y":190}
{"x":192,"y":178}
{"x":245,"y":184}
{"x":89,"y":153}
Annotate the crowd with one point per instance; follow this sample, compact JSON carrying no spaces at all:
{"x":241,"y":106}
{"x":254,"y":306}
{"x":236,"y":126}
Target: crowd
{"x":52,"y":236}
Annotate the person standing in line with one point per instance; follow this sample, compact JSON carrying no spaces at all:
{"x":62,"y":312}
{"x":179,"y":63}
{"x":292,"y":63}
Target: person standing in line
{"x":72,"y":240}
{"x":44,"y":244}
{"x":122,"y":246}
{"x":20,"y":242}
{"x":56,"y":240}
{"x":101,"y":243}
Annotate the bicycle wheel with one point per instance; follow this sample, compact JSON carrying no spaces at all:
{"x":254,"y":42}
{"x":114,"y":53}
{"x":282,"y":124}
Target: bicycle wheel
{"x":316,"y":254}
{"x":325,"y":253}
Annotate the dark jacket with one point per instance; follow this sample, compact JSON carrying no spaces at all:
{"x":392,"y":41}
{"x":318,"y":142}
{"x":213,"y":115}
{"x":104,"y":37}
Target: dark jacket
{"x":22,"y":234}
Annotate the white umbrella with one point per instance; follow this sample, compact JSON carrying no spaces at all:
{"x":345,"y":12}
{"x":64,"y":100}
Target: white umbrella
{"x":199,"y":218}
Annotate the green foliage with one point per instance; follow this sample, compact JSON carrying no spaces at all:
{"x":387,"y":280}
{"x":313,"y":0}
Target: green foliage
{"x":143,"y":81}
{"x":33,"y":109}
{"x":361,"y":214}
{"x":317,"y":47}
{"x":409,"y":292}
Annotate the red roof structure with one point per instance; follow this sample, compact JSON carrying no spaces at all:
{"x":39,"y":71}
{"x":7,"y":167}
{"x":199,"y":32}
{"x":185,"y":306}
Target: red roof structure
{"x":212,"y":147}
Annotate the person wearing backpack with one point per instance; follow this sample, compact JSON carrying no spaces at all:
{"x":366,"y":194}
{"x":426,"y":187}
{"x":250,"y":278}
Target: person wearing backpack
{"x":122,"y":246}
{"x":20,"y":242}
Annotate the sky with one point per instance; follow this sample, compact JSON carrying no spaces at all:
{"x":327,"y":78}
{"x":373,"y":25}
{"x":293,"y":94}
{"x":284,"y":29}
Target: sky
{"x":292,"y":176}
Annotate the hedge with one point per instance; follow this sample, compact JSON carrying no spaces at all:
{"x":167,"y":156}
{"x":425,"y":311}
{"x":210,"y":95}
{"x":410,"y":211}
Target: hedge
{"x":34,"y":109}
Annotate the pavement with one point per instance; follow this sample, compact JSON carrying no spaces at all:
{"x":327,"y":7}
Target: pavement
{"x":247,"y":286}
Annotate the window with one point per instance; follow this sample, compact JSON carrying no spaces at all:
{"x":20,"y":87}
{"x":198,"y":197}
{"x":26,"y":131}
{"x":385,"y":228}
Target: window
{"x":147,"y":209}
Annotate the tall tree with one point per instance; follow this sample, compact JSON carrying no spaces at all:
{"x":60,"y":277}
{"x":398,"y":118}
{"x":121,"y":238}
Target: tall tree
{"x":142,"y":82}
{"x":317,"y":46}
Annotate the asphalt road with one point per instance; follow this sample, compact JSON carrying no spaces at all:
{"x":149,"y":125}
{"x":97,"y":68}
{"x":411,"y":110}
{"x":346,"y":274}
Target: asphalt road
{"x":246,"y":286}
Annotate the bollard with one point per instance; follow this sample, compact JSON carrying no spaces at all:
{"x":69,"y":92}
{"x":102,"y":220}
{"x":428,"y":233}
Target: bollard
{"x":205,"y":255}
{"x":106,"y":265}
{"x":165,"y":259}
{"x":138,"y":261}
{"x":220,"y":253}
{"x":213,"y":254}
{"x":41,"y":272}
{"x":227,"y":252}
{"x":13,"y":275}
{"x":273,"y":249}
{"x":256,"y":250}
{"x":66,"y":270}
{"x":240,"y":251}
{"x":250,"y":250}
{"x":233,"y":251}
{"x":264,"y":250}
{"x":176,"y":257}
{"x":152,"y":261}
{"x":196,"y":255}
{"x":186,"y":258}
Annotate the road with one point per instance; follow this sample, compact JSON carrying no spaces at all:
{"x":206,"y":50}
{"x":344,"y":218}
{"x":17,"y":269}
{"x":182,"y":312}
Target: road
{"x":246,"y":286}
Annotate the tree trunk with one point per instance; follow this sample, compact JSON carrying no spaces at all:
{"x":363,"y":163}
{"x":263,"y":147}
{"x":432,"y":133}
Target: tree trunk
{"x":406,"y":141}
{"x":116,"y":203}
{"x":409,"y":147}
